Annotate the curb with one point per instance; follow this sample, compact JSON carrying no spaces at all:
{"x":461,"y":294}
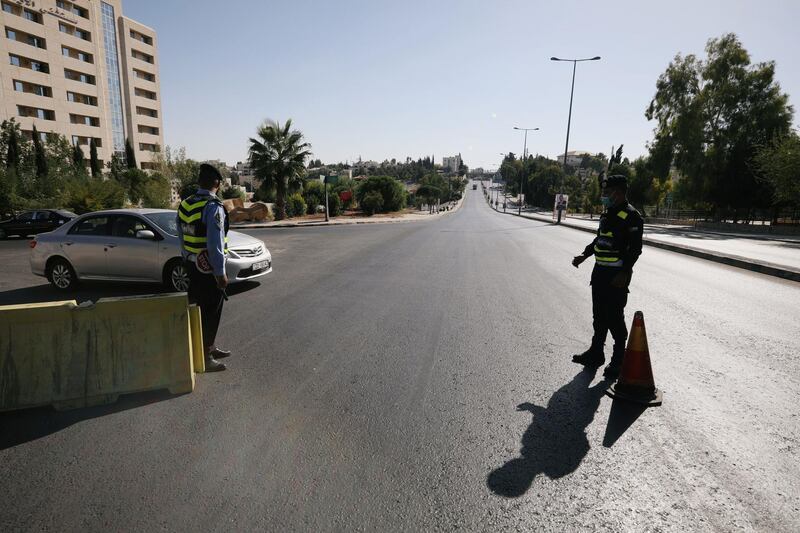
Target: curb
{"x":346,"y":223}
{"x":734,"y":261}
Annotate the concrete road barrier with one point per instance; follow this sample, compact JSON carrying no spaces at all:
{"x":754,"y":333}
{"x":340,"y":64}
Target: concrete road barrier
{"x":72,"y":355}
{"x":196,"y":328}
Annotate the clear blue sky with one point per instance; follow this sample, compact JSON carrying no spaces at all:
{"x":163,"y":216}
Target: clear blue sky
{"x":382,"y":79}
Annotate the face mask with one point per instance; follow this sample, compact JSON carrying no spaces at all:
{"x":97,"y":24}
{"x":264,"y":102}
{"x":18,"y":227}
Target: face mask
{"x":606,"y":200}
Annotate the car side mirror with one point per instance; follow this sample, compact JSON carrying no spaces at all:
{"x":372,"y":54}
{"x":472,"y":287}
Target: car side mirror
{"x":145,"y":234}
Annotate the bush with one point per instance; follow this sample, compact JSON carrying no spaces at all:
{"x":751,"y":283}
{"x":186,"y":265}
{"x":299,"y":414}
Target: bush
{"x":295,"y":206}
{"x":393,"y":193}
{"x":334,"y":205}
{"x":229,"y":193}
{"x":264,"y":194}
{"x":314,"y":195}
{"x":372,"y":203}
{"x":93,"y":194}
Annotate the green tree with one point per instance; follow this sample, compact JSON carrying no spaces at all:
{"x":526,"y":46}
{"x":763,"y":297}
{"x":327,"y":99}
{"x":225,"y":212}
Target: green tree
{"x":371,"y":203}
{"x":78,"y":163}
{"x":130,"y":155}
{"x":156,"y":191}
{"x":314,"y":195}
{"x":277,"y":156}
{"x":779,"y":165}
{"x":40,"y":157}
{"x":10,"y":135}
{"x":392,"y":192}
{"x":711,"y":116}
{"x":94,"y":162}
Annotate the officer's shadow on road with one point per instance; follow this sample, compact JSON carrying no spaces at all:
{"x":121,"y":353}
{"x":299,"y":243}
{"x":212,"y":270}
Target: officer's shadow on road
{"x":26,"y":425}
{"x":555,"y":443}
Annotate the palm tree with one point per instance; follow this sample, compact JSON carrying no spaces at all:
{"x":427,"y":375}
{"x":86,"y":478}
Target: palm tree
{"x":277,"y":157}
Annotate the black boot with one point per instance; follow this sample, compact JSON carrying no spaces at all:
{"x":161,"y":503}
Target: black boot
{"x":591,"y":357}
{"x":212,"y":365}
{"x":615,"y":365}
{"x":216,"y":353}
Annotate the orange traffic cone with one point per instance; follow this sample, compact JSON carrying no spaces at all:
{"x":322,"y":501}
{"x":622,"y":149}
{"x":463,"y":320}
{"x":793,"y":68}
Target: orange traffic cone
{"x":636,"y":382}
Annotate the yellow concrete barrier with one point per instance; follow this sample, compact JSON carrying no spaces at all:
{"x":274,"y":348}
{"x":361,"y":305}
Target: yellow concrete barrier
{"x":74,"y":356}
{"x":196,"y":327}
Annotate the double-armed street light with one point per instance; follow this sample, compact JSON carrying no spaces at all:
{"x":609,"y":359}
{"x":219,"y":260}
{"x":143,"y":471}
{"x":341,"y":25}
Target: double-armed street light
{"x":524,"y":157}
{"x":569,"y":118}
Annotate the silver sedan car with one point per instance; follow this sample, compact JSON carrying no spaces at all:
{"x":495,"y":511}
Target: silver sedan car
{"x":139,"y":245}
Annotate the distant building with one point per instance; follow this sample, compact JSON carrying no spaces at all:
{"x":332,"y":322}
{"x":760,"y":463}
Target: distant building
{"x":477,"y":171}
{"x":452,"y":163}
{"x":574,"y":157}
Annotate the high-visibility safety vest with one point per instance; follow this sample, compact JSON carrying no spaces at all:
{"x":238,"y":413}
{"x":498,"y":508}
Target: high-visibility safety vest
{"x":195,"y":231}
{"x":614,"y":235}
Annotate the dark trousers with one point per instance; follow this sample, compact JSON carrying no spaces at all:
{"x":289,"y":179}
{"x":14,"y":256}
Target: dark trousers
{"x":608,"y":312}
{"x":204,"y":292}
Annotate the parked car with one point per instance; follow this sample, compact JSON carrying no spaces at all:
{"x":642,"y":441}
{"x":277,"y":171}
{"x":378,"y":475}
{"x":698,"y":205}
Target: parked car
{"x":33,"y":222}
{"x":140,"y":245}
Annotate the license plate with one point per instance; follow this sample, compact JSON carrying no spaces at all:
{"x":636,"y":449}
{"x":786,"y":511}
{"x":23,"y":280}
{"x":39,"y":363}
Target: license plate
{"x":261,"y":265}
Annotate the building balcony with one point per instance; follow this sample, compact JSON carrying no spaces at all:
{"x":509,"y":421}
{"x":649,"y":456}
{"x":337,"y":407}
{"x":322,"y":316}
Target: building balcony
{"x":25,"y":50}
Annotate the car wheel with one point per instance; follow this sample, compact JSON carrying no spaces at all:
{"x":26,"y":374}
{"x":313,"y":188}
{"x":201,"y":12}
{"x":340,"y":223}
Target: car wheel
{"x":176,"y":276}
{"x":61,"y":275}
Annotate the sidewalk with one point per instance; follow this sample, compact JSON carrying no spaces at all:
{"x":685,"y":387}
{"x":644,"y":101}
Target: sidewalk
{"x":775,"y":256}
{"x":388,"y":218}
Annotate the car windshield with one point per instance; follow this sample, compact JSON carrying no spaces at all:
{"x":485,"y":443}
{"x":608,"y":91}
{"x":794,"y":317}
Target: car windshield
{"x":65,"y":213}
{"x":166,"y":220}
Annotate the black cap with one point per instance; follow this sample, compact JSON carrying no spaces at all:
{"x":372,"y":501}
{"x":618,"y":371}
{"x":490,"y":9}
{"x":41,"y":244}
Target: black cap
{"x":615,"y":181}
{"x":208,"y":175}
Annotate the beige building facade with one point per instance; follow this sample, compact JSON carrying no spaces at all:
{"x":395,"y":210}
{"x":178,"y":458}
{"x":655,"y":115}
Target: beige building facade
{"x":83,"y":70}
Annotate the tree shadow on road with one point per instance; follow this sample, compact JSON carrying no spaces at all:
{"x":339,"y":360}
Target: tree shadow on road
{"x":555,"y":443}
{"x":26,"y":425}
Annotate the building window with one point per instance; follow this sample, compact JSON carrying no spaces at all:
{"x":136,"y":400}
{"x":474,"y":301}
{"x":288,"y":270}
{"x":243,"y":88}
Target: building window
{"x":79,"y":76}
{"x":142,"y":75}
{"x":113,"y":83}
{"x":32,"y":88}
{"x":141,"y":56}
{"x":150,"y":130}
{"x":84,"y":120}
{"x":144,"y":94}
{"x":146,"y":147}
{"x":22,"y":37}
{"x":32,"y":16}
{"x":8,"y":9}
{"x":77,"y":54}
{"x":146,"y":112}
{"x":79,"y":98}
{"x":24,"y":62}
{"x":36,"y":112}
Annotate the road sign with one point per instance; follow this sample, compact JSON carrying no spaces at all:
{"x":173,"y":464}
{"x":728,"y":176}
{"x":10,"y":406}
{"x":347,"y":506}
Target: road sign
{"x":331,"y":180}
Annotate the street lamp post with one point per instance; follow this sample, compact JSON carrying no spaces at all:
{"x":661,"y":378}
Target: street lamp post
{"x":524,"y":157}
{"x":569,"y":118}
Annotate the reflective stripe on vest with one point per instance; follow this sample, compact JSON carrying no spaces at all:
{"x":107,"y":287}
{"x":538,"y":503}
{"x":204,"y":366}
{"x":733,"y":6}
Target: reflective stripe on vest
{"x":190,"y":212}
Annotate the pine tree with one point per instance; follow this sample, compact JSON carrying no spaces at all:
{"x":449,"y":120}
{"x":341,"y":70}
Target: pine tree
{"x":12,"y":156}
{"x":94,"y":162}
{"x":130,"y":155}
{"x":40,"y":157}
{"x":77,"y":158}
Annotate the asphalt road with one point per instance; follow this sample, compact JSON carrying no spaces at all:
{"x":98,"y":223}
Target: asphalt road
{"x":416,"y":377}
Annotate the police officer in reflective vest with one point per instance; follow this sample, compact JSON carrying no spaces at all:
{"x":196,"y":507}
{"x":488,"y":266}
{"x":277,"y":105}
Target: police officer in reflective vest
{"x":203,"y":229}
{"x":616,"y":248}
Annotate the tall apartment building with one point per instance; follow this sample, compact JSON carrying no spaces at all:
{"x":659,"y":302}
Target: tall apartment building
{"x":452,"y":163}
{"x":81,"y":69}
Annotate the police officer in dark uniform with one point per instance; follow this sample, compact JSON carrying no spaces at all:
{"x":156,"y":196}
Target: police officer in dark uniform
{"x":203,"y":229}
{"x":616,"y":248}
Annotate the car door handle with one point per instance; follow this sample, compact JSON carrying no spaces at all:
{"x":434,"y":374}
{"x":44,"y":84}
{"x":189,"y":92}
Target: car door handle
{"x":68,"y":243}
{"x":111,"y":245}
